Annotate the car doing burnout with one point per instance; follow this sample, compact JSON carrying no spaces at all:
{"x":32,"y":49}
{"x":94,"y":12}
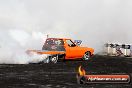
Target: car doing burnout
{"x":63,"y":49}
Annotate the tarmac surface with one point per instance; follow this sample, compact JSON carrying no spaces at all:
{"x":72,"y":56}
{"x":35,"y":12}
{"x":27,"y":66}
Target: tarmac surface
{"x":63,"y":74}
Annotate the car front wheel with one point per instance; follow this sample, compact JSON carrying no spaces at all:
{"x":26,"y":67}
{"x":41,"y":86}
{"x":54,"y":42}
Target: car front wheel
{"x":86,"y":56}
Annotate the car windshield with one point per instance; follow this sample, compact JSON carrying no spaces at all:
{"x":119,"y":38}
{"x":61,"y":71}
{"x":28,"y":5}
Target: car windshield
{"x":53,"y":44}
{"x":70,"y":43}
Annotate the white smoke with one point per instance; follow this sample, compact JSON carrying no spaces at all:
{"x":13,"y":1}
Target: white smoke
{"x":23,"y":23}
{"x":14,"y":44}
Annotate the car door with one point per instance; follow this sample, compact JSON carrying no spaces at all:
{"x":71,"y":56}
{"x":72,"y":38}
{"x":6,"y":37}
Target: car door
{"x":72,"y":51}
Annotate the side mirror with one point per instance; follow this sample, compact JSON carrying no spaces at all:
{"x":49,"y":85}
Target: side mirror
{"x":78,"y":42}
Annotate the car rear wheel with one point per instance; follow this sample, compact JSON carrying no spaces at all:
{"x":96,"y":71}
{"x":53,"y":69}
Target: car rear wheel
{"x":86,"y":56}
{"x":47,"y":60}
{"x":54,"y":59}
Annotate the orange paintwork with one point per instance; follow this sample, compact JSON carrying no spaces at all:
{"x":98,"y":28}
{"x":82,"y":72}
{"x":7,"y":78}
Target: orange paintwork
{"x":46,"y":52}
{"x":70,"y":52}
{"x":76,"y":51}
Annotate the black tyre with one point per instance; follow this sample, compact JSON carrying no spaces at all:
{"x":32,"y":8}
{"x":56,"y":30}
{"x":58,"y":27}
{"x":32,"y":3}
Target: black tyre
{"x":87,"y":56}
{"x":54,"y":59}
{"x":47,"y":60}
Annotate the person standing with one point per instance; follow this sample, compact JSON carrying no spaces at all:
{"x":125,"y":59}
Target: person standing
{"x":118,"y":50}
{"x":130,"y":50}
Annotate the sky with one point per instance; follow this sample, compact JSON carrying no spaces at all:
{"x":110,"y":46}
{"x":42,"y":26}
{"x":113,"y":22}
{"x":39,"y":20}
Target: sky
{"x":25,"y":23}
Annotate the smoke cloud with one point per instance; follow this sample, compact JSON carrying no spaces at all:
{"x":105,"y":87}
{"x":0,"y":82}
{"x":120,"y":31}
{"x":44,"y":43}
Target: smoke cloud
{"x":24,"y":24}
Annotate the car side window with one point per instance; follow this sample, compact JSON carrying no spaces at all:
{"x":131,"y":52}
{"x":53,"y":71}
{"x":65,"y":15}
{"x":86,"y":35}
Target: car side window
{"x":59,"y":42}
{"x":70,"y":43}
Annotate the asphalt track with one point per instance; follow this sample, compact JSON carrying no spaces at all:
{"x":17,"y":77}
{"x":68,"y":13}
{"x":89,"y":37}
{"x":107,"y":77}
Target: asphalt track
{"x":63,"y":74}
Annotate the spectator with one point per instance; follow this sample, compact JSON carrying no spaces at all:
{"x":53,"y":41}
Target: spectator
{"x":130,"y":50}
{"x":119,"y":52}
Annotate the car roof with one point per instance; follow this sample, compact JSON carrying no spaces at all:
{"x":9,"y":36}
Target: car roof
{"x":59,"y":38}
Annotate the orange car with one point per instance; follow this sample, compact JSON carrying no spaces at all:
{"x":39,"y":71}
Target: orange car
{"x":62,"y":48}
